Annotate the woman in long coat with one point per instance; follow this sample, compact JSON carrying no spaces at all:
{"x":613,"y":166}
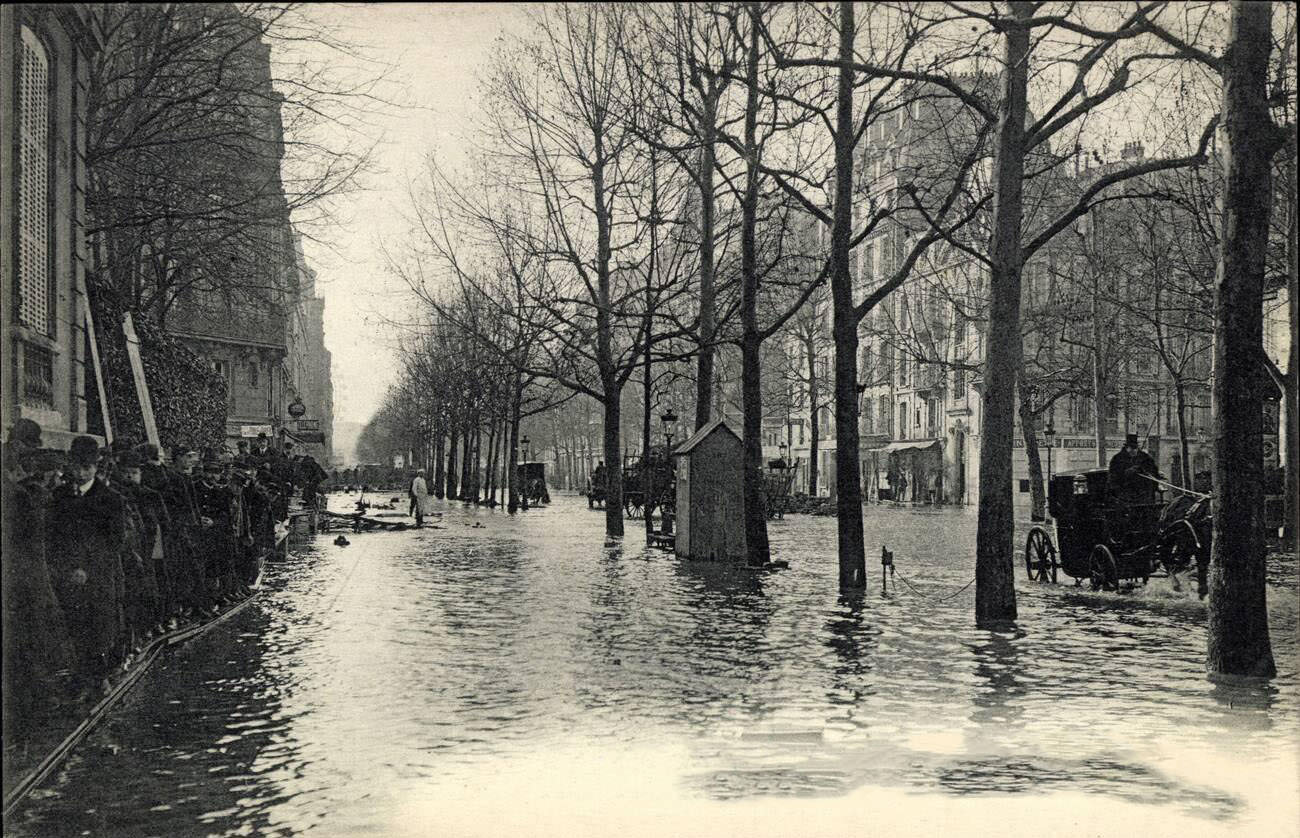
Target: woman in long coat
{"x":420,"y":498}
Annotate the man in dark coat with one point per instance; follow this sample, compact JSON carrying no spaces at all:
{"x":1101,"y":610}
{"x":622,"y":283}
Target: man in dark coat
{"x":310,"y":476}
{"x":139,"y":584}
{"x":86,"y":535}
{"x":259,"y":530}
{"x":37,"y":652}
{"x":183,"y":540}
{"x":217,"y":503}
{"x":1128,"y":473}
{"x":151,"y":519}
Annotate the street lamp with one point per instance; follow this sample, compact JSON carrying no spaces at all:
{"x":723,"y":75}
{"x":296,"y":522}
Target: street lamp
{"x":780,"y":446}
{"x":523,"y":442}
{"x":669,"y":419}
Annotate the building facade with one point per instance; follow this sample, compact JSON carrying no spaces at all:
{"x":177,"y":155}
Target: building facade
{"x":45,"y":51}
{"x":922,"y":347}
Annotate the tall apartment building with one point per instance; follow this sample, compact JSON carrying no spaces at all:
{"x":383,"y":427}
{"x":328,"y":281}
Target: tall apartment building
{"x":265,"y":337}
{"x":921,"y":349}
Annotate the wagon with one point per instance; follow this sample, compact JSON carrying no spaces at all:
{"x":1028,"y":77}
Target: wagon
{"x":777,"y":480}
{"x":1096,"y":535}
{"x":532,"y":483}
{"x":649,"y":483}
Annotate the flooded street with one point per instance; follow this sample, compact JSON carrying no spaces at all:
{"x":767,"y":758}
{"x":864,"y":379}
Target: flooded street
{"x":521,"y":678}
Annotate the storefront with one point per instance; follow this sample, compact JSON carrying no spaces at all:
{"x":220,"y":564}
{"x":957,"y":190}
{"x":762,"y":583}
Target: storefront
{"x":913,"y":471}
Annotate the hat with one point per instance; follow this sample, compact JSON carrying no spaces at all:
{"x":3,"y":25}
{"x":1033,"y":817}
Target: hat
{"x":1131,"y":439}
{"x":183,"y":448}
{"x":147,"y":451}
{"x":84,"y":451}
{"x":27,"y":432}
{"x":130,"y":459}
{"x":261,"y":436}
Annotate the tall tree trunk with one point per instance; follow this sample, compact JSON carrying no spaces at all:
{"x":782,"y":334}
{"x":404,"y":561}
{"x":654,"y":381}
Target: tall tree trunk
{"x":452,"y":442}
{"x":1238,"y":613}
{"x":1037,"y":496}
{"x":757,"y":549}
{"x":1184,"y":450}
{"x":995,"y":592}
{"x":705,"y":362}
{"x":848,"y":485}
{"x":439,"y":474}
{"x":516,"y":399}
{"x":1291,"y":387}
{"x":814,"y":408}
{"x":1100,"y":381}
{"x":466,"y":462}
{"x":613,"y":459}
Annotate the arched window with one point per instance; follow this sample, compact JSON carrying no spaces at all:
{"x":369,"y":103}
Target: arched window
{"x":35,"y":239}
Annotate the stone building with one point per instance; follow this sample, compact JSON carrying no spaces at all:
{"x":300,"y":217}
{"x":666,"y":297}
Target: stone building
{"x":263,"y":331}
{"x":45,"y":51}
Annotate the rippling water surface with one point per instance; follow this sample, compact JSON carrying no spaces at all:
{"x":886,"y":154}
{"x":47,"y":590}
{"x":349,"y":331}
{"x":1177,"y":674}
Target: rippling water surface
{"x":524,"y":678}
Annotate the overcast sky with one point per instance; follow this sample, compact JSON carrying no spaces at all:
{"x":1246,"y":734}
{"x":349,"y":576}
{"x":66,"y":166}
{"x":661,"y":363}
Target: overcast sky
{"x":437,"y":50}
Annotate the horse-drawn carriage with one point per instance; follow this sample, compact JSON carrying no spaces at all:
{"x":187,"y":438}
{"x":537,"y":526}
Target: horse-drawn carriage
{"x":1108,"y":538}
{"x":777,"y":480}
{"x":532,"y":483}
{"x":649,"y":483}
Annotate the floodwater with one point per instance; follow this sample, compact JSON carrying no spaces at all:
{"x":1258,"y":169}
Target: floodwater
{"x":524,"y":678}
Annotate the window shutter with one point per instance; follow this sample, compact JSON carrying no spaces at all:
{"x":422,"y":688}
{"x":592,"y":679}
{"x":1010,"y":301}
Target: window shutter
{"x":35,"y":280}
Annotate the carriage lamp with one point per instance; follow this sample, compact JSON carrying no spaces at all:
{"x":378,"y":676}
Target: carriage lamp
{"x":523,"y":442}
{"x":669,"y":419}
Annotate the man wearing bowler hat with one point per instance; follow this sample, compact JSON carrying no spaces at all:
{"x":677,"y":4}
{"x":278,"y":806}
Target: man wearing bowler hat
{"x":86,"y":535}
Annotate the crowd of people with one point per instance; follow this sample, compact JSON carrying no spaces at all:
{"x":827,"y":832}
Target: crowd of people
{"x":107,"y":548}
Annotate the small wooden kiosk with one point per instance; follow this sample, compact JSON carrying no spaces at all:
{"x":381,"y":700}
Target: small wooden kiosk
{"x":710,"y":501}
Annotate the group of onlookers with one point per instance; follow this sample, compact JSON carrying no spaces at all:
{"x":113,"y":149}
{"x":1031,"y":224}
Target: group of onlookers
{"x":107,"y":548}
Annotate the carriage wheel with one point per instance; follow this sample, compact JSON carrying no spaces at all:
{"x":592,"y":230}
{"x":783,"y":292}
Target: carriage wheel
{"x":1040,"y":556}
{"x":632,"y":506}
{"x":1178,"y":547}
{"x":1102,"y":571}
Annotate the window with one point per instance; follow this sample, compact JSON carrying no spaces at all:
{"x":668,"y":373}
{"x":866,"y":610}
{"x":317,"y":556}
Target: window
{"x":868,"y":416}
{"x":902,"y":420}
{"x":35,"y":274}
{"x":38,"y":376}
{"x":933,"y":418}
{"x":253,"y":371}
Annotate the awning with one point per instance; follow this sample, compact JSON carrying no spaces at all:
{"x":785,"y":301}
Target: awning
{"x":910,"y":445}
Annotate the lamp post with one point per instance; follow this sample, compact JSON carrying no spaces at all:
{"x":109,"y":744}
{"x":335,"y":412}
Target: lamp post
{"x":781,"y":447}
{"x":523,"y":483}
{"x":523,"y":444}
{"x":669,"y":419}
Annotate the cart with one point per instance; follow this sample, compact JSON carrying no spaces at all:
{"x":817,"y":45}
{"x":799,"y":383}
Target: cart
{"x":1100,"y":537}
{"x":777,"y":480}
{"x":532,"y":483}
{"x":649,"y":484}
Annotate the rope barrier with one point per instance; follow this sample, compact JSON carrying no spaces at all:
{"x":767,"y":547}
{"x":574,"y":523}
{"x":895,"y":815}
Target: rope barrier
{"x":931,"y":598}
